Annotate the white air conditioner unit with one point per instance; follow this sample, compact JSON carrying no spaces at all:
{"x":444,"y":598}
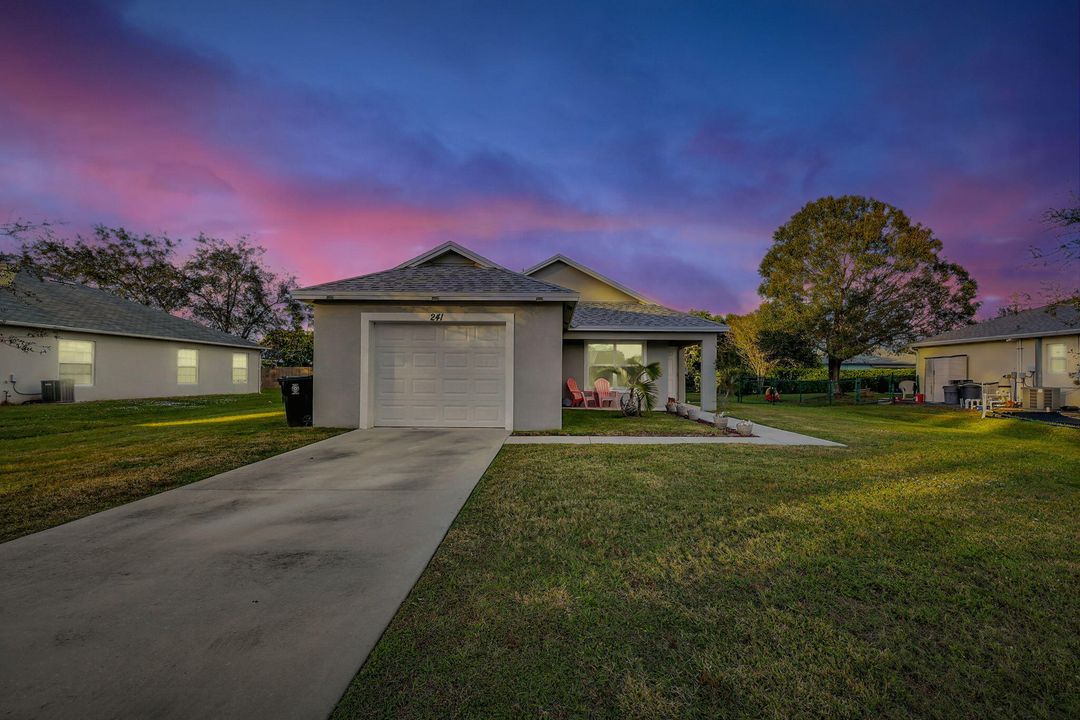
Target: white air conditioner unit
{"x":1042,"y":398}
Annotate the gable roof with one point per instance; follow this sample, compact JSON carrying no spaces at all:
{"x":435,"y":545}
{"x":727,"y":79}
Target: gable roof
{"x":448,"y":248}
{"x":423,"y":279}
{"x":649,"y":317}
{"x":1037,"y":322}
{"x":59,"y":305}
{"x":588,"y":271}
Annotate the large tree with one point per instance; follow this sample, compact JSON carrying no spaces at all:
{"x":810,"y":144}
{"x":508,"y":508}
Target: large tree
{"x":1065,"y":254}
{"x":857,"y":275}
{"x":223,"y":284}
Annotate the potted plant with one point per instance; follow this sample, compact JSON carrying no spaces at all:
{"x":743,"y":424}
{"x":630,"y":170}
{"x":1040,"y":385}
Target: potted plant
{"x":720,"y":421}
{"x":640,"y":381}
{"x":672,"y":405}
{"x":681,"y":409}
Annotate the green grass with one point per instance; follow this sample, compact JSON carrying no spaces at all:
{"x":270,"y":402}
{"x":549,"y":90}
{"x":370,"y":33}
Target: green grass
{"x":61,"y":462}
{"x":930,"y":570}
{"x":613,"y":422}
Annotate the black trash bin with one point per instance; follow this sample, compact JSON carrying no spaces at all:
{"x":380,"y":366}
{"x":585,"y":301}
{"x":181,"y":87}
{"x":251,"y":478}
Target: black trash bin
{"x":952,"y":394}
{"x":970,"y":391}
{"x":296,"y":393}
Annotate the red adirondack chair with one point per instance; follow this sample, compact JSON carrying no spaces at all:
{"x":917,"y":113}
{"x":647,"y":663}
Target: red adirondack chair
{"x":579,"y":397}
{"x":603,"y":392}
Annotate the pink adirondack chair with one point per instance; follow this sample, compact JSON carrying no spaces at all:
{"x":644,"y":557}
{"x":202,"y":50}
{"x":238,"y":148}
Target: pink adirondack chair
{"x":603,"y":392}
{"x":579,"y":397}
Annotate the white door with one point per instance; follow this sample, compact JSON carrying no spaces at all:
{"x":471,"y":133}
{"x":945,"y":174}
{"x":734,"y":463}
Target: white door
{"x":941,"y":371}
{"x":439,"y":375}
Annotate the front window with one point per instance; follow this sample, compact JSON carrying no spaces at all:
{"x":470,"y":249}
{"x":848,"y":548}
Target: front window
{"x":239,"y":369}
{"x":187,"y":367}
{"x":1056,"y":354}
{"x":77,"y":361}
{"x":603,"y":360}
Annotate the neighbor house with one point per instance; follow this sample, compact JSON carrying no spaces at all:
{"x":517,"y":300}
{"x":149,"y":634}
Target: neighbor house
{"x":112,"y":348}
{"x":451,"y":339}
{"x":1040,"y":346}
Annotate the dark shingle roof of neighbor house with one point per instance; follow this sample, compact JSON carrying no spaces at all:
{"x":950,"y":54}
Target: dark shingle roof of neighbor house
{"x":60,"y":305}
{"x":438,"y":280}
{"x":637,"y":316}
{"x":1061,"y":320}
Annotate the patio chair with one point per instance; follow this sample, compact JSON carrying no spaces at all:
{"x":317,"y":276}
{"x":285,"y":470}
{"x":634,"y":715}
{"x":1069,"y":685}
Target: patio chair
{"x":604,"y":393}
{"x":579,"y":397}
{"x":907,"y":389}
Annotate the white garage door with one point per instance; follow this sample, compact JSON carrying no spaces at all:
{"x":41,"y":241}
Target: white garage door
{"x":439,"y":375}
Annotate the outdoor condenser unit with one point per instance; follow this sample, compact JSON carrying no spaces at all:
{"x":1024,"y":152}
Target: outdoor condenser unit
{"x":1040,"y":398}
{"x":58,"y":391}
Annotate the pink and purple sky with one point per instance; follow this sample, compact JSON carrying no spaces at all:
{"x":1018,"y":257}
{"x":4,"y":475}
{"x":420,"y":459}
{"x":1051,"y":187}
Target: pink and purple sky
{"x":659,"y":143}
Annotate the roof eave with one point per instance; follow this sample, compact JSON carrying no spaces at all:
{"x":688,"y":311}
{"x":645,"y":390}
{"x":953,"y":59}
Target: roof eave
{"x":243,"y":344}
{"x":993,"y":338}
{"x":434,"y":296}
{"x":652,"y":328}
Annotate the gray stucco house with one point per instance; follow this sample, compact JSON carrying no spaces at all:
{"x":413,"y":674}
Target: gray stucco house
{"x":113,"y":348}
{"x":451,"y":339}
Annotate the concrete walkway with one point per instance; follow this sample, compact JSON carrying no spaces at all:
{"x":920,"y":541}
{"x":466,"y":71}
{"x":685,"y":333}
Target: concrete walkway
{"x":763,"y":435}
{"x":257,"y":593}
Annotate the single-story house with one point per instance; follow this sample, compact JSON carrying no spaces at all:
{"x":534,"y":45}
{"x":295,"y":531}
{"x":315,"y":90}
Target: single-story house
{"x":880,"y":360}
{"x":451,"y":339}
{"x":112,"y":348}
{"x":1041,"y":346}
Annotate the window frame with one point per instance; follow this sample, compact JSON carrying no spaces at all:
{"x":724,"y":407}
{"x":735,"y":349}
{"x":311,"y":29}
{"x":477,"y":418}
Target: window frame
{"x":1051,"y":358}
{"x":180,"y":367}
{"x":60,"y":360}
{"x":246,"y":369}
{"x":589,"y":380}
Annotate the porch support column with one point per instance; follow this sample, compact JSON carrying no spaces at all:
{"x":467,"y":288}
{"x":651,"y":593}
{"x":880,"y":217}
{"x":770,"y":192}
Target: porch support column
{"x":708,"y":373}
{"x":680,"y":391}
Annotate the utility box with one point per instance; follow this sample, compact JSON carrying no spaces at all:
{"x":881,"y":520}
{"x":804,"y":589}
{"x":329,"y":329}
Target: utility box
{"x":62,"y":391}
{"x":1042,"y":398}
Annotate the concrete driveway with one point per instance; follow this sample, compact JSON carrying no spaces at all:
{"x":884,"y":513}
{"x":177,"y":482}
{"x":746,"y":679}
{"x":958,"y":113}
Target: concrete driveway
{"x":257,"y":593}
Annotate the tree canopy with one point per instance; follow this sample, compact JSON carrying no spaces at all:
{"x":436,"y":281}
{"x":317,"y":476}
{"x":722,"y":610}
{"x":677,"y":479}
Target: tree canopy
{"x":855,"y":274}
{"x":223,"y":284}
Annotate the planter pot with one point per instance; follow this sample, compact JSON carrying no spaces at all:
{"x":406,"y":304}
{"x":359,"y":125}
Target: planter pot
{"x":681,"y":409}
{"x":672,"y":407}
{"x":744,"y":428}
{"x":693,"y":413}
{"x":720,"y":422}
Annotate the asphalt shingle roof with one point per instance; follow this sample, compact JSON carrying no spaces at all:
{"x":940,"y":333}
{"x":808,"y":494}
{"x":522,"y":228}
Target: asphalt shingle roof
{"x":592,"y":315}
{"x":1026,"y":322}
{"x":59,"y":304}
{"x":435,"y":279}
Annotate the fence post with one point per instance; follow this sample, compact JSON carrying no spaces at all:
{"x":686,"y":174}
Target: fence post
{"x":858,"y":389}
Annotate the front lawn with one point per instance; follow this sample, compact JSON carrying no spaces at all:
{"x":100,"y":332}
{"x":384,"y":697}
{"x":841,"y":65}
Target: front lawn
{"x":613,"y":422}
{"x":930,"y":570}
{"x":61,"y":462}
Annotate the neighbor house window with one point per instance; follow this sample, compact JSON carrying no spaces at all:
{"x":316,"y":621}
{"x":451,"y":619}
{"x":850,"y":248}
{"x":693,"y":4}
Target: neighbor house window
{"x":187,"y":367}
{"x":239,"y":369}
{"x":77,"y":361}
{"x":603,"y":360}
{"x":1056,"y":355}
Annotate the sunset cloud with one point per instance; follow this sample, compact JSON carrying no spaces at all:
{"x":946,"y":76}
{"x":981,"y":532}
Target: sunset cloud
{"x":662,"y":163}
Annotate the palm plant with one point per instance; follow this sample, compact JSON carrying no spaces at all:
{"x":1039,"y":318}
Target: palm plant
{"x":640,"y":382}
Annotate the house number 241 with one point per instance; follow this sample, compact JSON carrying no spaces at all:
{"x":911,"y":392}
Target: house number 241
{"x":436,"y":317}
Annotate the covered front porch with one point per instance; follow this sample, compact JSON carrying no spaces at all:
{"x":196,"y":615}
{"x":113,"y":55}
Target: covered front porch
{"x":589,"y":357}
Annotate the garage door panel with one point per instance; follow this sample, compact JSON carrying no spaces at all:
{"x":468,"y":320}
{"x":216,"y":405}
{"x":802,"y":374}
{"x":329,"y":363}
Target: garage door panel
{"x":425,"y":386}
{"x":439,"y":375}
{"x":488,"y":388}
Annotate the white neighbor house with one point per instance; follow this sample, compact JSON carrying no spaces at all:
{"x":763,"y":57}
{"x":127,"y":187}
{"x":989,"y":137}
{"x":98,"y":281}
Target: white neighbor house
{"x":113,"y":348}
